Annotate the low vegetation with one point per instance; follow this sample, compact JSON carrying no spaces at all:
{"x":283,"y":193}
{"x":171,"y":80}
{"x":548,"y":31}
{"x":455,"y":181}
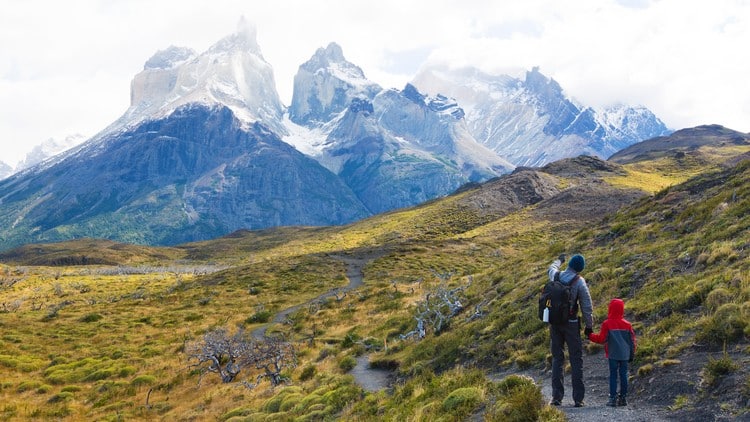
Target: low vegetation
{"x":182,"y":333}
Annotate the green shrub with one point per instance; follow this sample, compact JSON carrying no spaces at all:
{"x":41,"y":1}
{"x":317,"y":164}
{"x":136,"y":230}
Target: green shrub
{"x":273,"y":404}
{"x":143,"y":380}
{"x":347,"y":363}
{"x":716,"y":298}
{"x":44,"y":389}
{"x":462,"y":401}
{"x":260,"y":317}
{"x":28,"y":386}
{"x":61,"y":397}
{"x":91,"y":318}
{"x":717,"y":368}
{"x":308,"y":372}
{"x":235,"y":413}
{"x":519,"y":399}
{"x":726,"y":325}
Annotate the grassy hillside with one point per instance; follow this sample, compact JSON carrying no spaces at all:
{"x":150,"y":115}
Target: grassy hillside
{"x":111,"y":340}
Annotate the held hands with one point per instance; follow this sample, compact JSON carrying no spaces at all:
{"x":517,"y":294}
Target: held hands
{"x":588,"y":331}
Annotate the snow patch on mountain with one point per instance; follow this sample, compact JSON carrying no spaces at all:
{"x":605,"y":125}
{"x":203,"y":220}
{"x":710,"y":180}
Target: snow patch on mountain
{"x":325,"y":85}
{"x":530,"y":121}
{"x":5,"y":170}
{"x":49,"y":148}
{"x":232,"y":73}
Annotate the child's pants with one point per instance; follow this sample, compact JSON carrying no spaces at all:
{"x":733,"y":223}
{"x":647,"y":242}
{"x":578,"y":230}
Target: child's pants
{"x":618,"y":367}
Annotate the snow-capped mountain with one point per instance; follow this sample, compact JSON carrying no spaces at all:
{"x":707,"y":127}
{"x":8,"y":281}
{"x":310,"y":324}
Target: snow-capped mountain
{"x":529,"y":121}
{"x":393,"y":148}
{"x":198,"y":173}
{"x":232,"y":73}
{"x":325,"y":85}
{"x":206,"y":147}
{"x":49,"y":148}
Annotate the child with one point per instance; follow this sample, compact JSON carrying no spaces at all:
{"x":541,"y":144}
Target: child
{"x":618,"y":338}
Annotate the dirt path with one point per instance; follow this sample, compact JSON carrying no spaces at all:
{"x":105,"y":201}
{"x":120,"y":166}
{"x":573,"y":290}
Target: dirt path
{"x":354,"y":273}
{"x":596,"y":379}
{"x":370,"y":379}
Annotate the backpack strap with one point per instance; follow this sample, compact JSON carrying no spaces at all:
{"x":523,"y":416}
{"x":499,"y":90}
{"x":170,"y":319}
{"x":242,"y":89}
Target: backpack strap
{"x":574,"y":300}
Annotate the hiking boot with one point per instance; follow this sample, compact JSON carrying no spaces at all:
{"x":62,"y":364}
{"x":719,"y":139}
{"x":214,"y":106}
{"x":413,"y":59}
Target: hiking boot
{"x":621,"y":400}
{"x":555,"y":402}
{"x":612,"y":402}
{"x":579,"y":404}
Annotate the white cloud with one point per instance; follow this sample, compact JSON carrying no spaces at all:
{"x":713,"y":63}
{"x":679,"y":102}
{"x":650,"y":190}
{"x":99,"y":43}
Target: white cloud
{"x":65,"y":67}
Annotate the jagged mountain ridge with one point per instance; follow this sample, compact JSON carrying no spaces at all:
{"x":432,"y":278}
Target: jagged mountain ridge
{"x":388,"y":148}
{"x":530,"y":121}
{"x":393,"y":148}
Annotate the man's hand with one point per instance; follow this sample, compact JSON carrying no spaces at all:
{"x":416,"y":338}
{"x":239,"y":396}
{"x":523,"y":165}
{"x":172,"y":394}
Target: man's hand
{"x":588,"y":331}
{"x":561,"y":257}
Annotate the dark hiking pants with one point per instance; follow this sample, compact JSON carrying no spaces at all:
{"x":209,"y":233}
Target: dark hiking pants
{"x":560,"y":335}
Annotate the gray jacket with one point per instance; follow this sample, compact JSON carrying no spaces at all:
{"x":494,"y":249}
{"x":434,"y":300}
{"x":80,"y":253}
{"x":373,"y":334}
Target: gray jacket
{"x":579,"y":291}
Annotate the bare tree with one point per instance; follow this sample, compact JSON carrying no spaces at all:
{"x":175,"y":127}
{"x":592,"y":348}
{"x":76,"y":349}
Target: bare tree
{"x":273,"y":355}
{"x":435,"y":311}
{"x":228,"y":355}
{"x":222,"y":354}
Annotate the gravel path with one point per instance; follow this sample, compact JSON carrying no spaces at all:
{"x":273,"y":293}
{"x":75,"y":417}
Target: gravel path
{"x":596,"y":379}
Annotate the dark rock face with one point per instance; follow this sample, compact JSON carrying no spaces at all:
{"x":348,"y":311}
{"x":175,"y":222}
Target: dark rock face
{"x":196,"y":174}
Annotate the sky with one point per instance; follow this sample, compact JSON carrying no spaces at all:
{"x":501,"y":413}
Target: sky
{"x":66,"y":66}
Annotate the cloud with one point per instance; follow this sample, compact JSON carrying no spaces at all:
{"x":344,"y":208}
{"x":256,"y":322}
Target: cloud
{"x":66,"y":66}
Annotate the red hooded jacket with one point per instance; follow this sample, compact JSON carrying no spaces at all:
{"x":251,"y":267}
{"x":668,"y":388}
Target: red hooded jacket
{"x":616,"y":333}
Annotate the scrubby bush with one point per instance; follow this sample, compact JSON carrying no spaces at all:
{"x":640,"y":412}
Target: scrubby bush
{"x":717,"y":368}
{"x":62,"y":396}
{"x":91,"y":318}
{"x":716,"y":298}
{"x":645,"y":370}
{"x":259,"y":317}
{"x":519,"y":399}
{"x":347,"y":363}
{"x":463,"y":400}
{"x":308,"y":372}
{"x":726,"y":325}
{"x":143,"y":380}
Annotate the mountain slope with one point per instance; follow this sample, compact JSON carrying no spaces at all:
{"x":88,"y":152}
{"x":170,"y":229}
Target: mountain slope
{"x":678,"y":258}
{"x":196,"y":174}
{"x":393,"y":148}
{"x":682,"y":142}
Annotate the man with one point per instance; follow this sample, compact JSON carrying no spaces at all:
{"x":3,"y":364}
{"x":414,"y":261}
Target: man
{"x":570,"y":333}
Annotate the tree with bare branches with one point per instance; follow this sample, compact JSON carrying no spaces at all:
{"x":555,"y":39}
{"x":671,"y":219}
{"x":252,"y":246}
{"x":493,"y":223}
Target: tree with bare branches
{"x":227,"y":355}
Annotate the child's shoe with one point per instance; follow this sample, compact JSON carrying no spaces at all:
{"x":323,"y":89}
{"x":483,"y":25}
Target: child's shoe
{"x":621,"y":400}
{"x":612,"y":402}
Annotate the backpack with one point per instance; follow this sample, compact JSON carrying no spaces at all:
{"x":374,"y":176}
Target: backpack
{"x":556,"y":297}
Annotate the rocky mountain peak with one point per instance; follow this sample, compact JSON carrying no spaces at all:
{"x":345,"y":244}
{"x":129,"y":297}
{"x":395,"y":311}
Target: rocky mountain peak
{"x":529,"y":120}
{"x":325,"y":85}
{"x":169,"y":57}
{"x":230,"y":73}
{"x":243,"y":39}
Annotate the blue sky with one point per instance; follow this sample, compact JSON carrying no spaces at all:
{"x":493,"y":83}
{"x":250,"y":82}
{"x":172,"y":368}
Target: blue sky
{"x":66,"y":66}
